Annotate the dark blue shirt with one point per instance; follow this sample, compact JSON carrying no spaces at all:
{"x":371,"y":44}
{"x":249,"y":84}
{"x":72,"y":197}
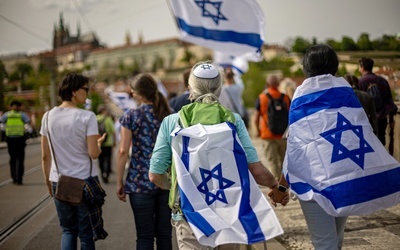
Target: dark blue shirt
{"x":144,"y":126}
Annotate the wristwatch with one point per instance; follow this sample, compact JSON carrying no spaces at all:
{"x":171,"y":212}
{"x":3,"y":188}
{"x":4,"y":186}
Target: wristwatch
{"x":282,"y":188}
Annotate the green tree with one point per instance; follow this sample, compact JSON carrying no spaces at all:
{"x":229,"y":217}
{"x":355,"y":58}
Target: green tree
{"x":334,"y":44}
{"x":254,"y":82}
{"x":300,"y":45}
{"x":364,"y":42}
{"x":188,"y":57}
{"x":3,"y":76}
{"x":348,"y":44}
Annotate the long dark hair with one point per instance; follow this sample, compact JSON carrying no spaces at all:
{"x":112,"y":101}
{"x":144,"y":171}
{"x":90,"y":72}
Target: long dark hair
{"x":146,"y":86}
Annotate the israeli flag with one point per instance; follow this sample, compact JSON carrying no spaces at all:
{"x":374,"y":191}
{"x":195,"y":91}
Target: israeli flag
{"x":219,"y":197}
{"x":333,"y":156}
{"x":233,"y":27}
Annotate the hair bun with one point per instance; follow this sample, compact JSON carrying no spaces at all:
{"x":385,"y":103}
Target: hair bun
{"x":206,"y":70}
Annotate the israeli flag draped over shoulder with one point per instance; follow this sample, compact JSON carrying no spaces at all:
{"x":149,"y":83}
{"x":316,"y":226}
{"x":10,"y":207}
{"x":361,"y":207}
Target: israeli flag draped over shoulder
{"x":233,"y":27}
{"x":219,"y":197}
{"x":333,"y":156}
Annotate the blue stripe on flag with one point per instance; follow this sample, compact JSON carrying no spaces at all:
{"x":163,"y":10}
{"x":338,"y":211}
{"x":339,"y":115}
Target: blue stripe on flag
{"x":185,"y":152}
{"x":246,"y":214}
{"x":358,"y":190}
{"x":251,"y":39}
{"x":326,"y":99}
{"x":194,"y":217}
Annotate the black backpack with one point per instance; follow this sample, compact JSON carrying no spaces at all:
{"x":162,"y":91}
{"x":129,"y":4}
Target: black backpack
{"x":373,"y":90}
{"x":278,"y":114}
{"x":102,"y":127}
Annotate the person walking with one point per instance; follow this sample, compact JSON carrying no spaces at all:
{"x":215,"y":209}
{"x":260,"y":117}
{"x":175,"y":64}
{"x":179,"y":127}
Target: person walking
{"x":385,"y":107}
{"x":334,"y":163}
{"x":271,"y":120}
{"x":139,"y":127}
{"x":70,"y":140}
{"x":15,"y":121}
{"x":181,"y":100}
{"x":205,"y":83}
{"x":231,"y":95}
{"x":105,"y":121}
{"x":366,"y":101}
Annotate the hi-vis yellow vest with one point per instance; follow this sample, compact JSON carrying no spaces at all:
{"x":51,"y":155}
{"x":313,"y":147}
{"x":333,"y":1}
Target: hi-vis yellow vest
{"x":15,"y":124}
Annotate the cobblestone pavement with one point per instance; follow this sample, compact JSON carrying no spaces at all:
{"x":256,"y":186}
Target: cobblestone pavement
{"x":380,"y":230}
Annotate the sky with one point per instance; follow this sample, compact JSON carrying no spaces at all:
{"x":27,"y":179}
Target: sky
{"x":26,"y":26}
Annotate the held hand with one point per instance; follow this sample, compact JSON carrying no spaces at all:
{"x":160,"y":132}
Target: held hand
{"x":101,"y":139}
{"x":278,"y":197}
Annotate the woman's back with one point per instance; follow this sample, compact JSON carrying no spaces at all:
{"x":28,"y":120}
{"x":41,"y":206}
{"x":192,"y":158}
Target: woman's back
{"x":69,"y":128}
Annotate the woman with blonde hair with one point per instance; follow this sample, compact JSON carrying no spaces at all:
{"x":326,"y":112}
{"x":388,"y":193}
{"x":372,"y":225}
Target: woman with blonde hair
{"x":139,"y":127}
{"x":205,"y":83}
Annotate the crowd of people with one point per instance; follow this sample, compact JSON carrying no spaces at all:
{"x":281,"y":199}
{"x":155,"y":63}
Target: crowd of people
{"x":146,"y":165}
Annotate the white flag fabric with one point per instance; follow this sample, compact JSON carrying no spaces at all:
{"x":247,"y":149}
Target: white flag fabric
{"x":232,"y":27}
{"x":219,"y":197}
{"x":333,"y":156}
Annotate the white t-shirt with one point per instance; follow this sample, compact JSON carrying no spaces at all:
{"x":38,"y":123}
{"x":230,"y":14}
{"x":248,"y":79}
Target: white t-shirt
{"x":69,"y":128}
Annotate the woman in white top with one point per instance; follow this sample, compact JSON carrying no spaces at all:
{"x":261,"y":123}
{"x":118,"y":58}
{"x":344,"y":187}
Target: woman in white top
{"x":75,"y":139}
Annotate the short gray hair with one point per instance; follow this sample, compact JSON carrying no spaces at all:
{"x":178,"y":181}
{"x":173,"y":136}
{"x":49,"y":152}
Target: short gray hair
{"x":206,"y":90}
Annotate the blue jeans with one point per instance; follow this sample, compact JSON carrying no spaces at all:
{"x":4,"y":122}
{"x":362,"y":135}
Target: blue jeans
{"x":74,"y":222}
{"x":152,"y":219}
{"x":327,"y":231}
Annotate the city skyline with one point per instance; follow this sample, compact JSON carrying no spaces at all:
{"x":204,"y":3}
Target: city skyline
{"x":27,"y":25}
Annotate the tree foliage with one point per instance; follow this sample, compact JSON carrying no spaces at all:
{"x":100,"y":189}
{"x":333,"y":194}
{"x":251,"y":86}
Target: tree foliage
{"x":363,"y":43}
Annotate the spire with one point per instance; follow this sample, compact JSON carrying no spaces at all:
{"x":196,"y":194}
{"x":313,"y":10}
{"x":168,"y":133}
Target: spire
{"x":128,"y":39}
{"x":61,"y":21}
{"x":78,"y":28}
{"x":140,"y":37}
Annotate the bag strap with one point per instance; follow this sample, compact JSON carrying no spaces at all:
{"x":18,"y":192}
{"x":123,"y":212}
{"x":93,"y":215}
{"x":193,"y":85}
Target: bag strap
{"x":52,"y":149}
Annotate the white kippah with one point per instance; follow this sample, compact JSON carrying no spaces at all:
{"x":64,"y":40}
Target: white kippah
{"x":206,"y":71}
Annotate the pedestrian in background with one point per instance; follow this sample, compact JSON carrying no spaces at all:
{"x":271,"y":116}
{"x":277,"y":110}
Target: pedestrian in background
{"x":181,"y":100}
{"x":366,"y":101}
{"x":385,"y":107}
{"x":74,"y":142}
{"x":139,"y":127}
{"x":272,"y":125}
{"x":231,"y":95}
{"x":15,"y":121}
{"x":105,"y":120}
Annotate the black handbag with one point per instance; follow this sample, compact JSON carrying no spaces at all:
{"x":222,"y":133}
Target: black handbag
{"x":69,"y":189}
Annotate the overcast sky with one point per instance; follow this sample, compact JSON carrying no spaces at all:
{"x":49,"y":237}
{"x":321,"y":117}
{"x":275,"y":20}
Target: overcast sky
{"x":27,"y":25}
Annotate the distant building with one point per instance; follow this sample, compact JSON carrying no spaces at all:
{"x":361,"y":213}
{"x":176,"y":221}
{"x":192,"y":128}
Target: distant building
{"x":71,"y":51}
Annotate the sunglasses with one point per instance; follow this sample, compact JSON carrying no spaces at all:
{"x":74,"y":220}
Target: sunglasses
{"x":85,"y":89}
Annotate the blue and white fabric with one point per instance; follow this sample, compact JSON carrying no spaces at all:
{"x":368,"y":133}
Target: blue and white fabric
{"x":333,"y":156}
{"x":219,"y":197}
{"x":234,"y":27}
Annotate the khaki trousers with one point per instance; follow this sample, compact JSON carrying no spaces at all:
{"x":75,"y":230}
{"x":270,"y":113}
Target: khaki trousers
{"x":274,"y":153}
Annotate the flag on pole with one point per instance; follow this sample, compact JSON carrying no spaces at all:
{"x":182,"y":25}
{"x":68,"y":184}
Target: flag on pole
{"x":233,"y":27}
{"x":219,"y":197}
{"x":333,"y":156}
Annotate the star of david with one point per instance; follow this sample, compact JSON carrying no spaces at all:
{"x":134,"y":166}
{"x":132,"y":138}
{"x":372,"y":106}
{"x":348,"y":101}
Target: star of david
{"x":205,"y":6}
{"x":223,"y":183}
{"x":205,"y":66}
{"x":340,"y":152}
